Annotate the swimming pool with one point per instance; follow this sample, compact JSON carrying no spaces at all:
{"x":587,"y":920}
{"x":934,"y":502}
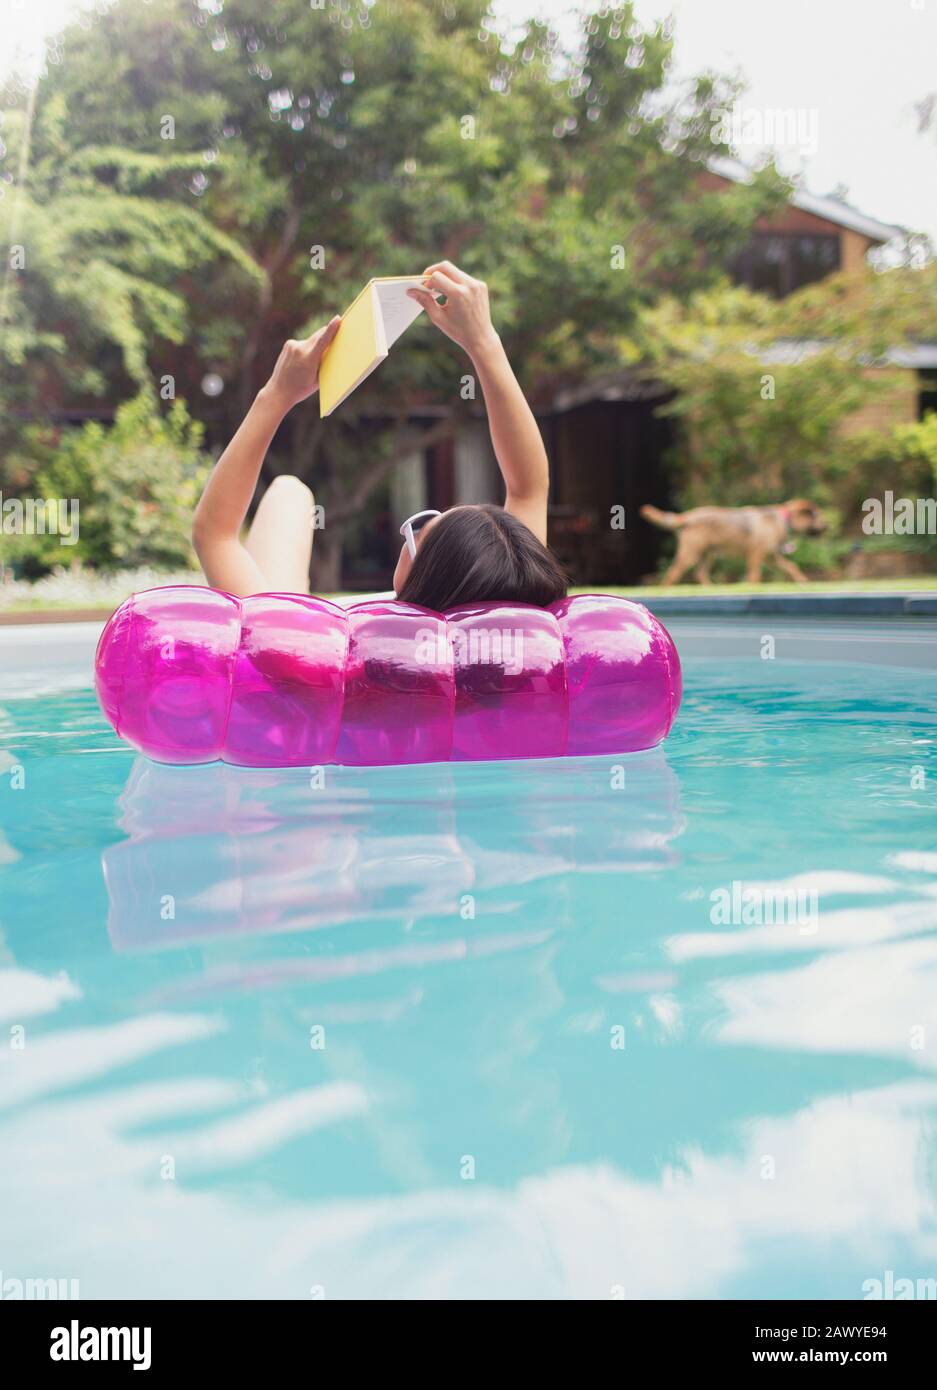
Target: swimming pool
{"x":661,"y":1026}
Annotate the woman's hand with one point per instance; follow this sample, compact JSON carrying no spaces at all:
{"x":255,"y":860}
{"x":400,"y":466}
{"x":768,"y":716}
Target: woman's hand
{"x":296,"y":374}
{"x":465,"y":316}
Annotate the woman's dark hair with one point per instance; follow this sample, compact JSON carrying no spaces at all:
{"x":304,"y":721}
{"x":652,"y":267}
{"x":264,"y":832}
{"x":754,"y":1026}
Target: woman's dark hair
{"x":482,"y":554}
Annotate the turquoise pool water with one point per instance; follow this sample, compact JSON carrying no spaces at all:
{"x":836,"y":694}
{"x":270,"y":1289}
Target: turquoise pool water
{"x":500,"y":1030}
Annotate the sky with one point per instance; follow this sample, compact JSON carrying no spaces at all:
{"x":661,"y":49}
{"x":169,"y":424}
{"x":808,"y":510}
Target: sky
{"x":851,"y":71}
{"x":848,"y":71}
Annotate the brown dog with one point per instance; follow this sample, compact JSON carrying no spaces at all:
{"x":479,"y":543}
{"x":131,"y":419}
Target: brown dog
{"x":758,"y":533}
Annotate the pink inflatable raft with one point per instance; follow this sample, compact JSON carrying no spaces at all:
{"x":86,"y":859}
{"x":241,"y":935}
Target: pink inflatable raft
{"x":191,"y":675}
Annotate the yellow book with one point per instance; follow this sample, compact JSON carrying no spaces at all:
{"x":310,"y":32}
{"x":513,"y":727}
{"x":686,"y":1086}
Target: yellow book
{"x":369,"y":329}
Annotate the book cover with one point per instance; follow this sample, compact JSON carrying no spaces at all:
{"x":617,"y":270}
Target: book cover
{"x":369,"y":329}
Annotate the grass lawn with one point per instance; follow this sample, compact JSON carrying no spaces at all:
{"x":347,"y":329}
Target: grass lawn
{"x":45,"y":605}
{"x":818,"y":586}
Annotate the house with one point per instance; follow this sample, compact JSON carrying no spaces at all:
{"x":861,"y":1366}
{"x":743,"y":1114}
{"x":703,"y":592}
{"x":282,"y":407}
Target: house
{"x":606,"y":440}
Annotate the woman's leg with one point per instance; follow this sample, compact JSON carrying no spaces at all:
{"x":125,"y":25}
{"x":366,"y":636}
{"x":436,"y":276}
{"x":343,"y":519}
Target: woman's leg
{"x":280,"y":536}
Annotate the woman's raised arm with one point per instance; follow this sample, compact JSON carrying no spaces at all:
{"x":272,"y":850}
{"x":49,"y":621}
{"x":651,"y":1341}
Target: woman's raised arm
{"x":219,"y":516}
{"x":515,"y":435}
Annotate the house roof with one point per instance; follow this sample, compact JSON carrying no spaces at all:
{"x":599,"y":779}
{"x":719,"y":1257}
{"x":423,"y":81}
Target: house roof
{"x":914,"y":356}
{"x":627,"y":384}
{"x":623,"y":385}
{"x":831,"y":209}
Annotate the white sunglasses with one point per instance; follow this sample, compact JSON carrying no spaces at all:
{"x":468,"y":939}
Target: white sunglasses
{"x":412,"y":527}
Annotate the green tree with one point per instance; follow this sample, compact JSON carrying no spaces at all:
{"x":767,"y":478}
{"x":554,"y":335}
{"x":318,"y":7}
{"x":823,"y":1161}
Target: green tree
{"x":102,"y":253}
{"x":328,"y":145}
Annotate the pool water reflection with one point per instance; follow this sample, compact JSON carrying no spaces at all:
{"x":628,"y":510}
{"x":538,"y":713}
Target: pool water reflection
{"x":472,"y":1030}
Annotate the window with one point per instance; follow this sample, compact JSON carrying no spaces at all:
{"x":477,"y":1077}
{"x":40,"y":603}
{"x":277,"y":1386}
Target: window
{"x":927,"y":391}
{"x":777,"y":263}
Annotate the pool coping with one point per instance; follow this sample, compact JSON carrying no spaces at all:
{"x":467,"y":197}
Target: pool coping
{"x":909,"y":603}
{"x":922,"y":604}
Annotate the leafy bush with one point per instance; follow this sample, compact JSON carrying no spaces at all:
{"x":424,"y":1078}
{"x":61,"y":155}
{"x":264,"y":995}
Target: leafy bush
{"x":136,"y":483}
{"x":903,"y":462}
{"x":764,"y":391}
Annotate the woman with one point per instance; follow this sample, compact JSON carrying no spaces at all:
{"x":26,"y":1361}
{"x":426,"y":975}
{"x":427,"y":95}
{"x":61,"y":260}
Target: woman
{"x":464,"y":555}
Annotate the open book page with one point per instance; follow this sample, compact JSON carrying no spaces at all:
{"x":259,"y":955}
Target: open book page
{"x":398,"y":311}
